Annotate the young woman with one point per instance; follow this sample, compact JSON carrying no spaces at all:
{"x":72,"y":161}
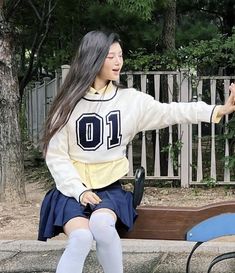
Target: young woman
{"x":89,"y":126}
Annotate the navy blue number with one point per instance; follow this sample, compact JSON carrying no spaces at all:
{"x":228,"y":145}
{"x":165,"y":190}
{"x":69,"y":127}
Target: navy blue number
{"x":114,"y":122}
{"x":90,"y":131}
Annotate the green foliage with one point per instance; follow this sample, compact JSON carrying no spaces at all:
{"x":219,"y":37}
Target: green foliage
{"x":139,"y":24}
{"x":230,"y":133}
{"x":210,"y":182}
{"x":72,"y":21}
{"x":134,"y":31}
{"x":140,"y":60}
{"x":174,"y":150}
{"x":219,"y":12}
{"x":194,"y":29}
{"x":53,"y":62}
{"x":142,"y":8}
{"x":208,"y":56}
{"x":230,"y":162}
{"x":205,"y":56}
{"x":230,"y":136}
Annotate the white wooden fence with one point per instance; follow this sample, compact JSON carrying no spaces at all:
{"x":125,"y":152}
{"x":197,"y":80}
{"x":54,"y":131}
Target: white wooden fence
{"x":191,"y":154}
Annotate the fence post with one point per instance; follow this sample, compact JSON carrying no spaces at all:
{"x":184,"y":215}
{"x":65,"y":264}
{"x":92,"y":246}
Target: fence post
{"x":58,"y":79}
{"x":45,"y":105}
{"x":35,"y":113}
{"x":184,"y":162}
{"x":29,"y":112}
{"x":64,"y":70}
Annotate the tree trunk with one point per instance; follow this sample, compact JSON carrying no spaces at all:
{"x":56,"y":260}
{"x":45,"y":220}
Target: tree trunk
{"x":12,"y":186}
{"x":168,"y":32}
{"x":229,"y":18}
{"x":168,"y":43}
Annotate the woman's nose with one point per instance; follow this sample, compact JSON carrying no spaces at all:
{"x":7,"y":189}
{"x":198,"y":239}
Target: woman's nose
{"x":118,"y":60}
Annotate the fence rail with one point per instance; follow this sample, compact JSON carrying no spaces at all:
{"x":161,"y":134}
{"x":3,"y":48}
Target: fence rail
{"x":191,"y":154}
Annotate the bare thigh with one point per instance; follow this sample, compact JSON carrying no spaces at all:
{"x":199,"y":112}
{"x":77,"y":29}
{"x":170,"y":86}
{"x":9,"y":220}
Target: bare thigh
{"x":76,"y":223}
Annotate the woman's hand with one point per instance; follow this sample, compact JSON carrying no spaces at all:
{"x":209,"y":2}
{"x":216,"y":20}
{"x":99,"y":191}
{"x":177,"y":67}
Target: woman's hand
{"x":229,"y":106}
{"x":89,"y":197}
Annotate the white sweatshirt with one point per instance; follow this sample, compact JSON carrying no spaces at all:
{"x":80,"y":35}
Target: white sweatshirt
{"x":102,"y":125}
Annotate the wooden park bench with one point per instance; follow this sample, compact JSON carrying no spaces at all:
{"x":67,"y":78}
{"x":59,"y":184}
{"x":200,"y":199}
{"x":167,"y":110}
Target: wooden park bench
{"x":195,"y":224}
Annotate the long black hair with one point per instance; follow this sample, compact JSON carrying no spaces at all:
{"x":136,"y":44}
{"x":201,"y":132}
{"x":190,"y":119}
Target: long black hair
{"x":87,"y":63}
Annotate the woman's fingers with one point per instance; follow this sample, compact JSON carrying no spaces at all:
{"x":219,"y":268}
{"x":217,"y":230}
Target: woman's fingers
{"x":91,"y":198}
{"x":229,"y":106}
{"x":232,"y":89}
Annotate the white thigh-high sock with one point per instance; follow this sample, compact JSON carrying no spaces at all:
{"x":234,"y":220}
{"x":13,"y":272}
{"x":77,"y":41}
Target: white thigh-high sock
{"x":108,"y":243}
{"x":76,"y":251}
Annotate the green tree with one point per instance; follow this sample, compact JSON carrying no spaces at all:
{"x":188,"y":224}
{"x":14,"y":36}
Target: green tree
{"x":11,"y":155}
{"x":169,"y":21}
{"x":142,"y":8}
{"x":32,"y":20}
{"x":221,"y":12}
{"x":74,"y":18}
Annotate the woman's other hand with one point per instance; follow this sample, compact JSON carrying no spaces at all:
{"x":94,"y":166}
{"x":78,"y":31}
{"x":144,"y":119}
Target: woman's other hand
{"x":89,"y":197}
{"x":229,"y":106}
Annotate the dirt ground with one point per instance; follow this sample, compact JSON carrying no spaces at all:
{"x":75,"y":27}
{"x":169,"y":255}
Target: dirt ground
{"x":20,"y":221}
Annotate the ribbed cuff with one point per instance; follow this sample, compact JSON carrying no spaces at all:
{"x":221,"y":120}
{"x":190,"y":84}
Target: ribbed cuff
{"x":214,"y":116}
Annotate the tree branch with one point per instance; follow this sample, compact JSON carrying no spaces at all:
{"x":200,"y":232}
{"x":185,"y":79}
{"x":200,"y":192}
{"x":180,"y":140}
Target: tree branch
{"x":51,"y":8}
{"x":10,"y":8}
{"x":37,"y":44}
{"x":217,"y":14}
{"x":35,"y":10}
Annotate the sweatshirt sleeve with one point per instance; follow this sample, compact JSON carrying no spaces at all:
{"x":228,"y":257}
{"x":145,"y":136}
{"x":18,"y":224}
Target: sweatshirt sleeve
{"x":156,"y":115}
{"x":66,"y":176}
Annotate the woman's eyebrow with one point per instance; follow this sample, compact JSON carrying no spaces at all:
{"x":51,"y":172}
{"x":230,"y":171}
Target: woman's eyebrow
{"x":111,"y":52}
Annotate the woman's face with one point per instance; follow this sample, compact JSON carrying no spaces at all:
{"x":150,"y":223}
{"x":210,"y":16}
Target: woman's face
{"x":111,"y":68}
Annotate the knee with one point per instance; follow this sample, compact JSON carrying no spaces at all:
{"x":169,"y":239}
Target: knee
{"x":80,"y":237}
{"x":102,"y":226}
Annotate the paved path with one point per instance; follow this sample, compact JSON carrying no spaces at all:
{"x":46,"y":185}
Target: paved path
{"x":140,"y":256}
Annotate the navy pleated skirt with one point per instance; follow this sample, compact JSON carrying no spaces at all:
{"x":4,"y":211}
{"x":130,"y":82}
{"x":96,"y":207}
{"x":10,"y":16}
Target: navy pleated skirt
{"x":57,"y":209}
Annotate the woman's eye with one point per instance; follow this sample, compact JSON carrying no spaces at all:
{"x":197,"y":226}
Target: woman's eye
{"x":112,"y":57}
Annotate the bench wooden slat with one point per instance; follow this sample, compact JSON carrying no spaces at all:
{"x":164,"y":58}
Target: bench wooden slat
{"x":172,"y":223}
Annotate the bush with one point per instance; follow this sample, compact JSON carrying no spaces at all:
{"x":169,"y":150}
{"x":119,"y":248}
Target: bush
{"x":206,"y":57}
